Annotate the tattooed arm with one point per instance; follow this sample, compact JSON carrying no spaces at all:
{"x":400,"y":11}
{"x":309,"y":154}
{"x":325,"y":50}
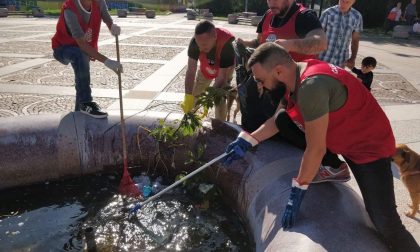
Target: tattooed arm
{"x":313,"y":43}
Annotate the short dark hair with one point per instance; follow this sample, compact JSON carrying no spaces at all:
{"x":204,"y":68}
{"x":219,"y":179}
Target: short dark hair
{"x":270,"y":55}
{"x":369,"y":62}
{"x":203,"y":27}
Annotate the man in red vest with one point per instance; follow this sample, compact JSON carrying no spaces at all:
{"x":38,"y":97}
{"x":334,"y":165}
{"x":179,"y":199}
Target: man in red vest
{"x":338,"y":113}
{"x":299,"y":31}
{"x":295,"y":28}
{"x":213,"y":48}
{"x":76,"y":42}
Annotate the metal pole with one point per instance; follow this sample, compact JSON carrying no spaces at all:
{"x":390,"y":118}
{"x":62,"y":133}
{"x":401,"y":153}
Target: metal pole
{"x":246,"y":5}
{"x":141,"y":204}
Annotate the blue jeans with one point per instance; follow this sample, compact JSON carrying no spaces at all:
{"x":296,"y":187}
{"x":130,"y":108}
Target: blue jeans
{"x":80,"y":63}
{"x":377,"y":186}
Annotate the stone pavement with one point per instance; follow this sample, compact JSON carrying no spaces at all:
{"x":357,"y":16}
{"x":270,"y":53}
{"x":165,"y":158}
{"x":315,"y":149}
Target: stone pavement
{"x":154,"y":55}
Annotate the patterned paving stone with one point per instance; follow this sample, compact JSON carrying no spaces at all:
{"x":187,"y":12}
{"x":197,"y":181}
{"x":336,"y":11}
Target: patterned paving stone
{"x":105,"y":36}
{"x":56,"y":74}
{"x":5,"y":61}
{"x":391,"y":89}
{"x":33,"y":104}
{"x":43,"y":28}
{"x":141,"y":52}
{"x":172,"y":107}
{"x":42,"y":38}
{"x":172,"y":33}
{"x":43,"y":48}
{"x":245,"y":36}
{"x":145,"y":40}
{"x":12,"y":35}
{"x":178,"y":83}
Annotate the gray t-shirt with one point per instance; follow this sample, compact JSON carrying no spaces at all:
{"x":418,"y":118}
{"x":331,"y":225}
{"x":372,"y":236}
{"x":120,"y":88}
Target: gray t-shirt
{"x":72,"y":21}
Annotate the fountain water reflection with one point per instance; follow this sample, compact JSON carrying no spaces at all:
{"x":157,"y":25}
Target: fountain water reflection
{"x":55,"y":216}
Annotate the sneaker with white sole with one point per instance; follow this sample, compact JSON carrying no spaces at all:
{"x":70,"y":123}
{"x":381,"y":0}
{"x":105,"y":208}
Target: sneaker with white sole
{"x":92,"y":109}
{"x":328,"y":174}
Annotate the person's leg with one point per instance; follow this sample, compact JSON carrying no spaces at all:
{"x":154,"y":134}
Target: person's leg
{"x":221,"y":107}
{"x":256,"y":107}
{"x":81,"y":68}
{"x":376,"y":184}
{"x":292,"y":134}
{"x":200,"y":85}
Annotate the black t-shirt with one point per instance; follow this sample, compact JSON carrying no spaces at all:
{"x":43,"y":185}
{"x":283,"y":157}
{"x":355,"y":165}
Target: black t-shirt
{"x":227,"y":55}
{"x":306,"y":21}
{"x":366,"y":78}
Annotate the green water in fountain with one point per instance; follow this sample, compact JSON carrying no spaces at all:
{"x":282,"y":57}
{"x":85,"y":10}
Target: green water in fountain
{"x":53,"y":217}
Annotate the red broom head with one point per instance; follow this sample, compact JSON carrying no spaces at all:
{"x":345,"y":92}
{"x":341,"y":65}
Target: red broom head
{"x":127,"y":186}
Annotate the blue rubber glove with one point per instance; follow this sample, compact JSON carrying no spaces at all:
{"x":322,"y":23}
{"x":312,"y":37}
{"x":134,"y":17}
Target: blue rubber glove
{"x":293,"y":205}
{"x":239,"y":147}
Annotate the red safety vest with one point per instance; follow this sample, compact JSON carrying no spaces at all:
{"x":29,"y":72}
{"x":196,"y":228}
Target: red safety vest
{"x":286,"y":31}
{"x":91,"y":29}
{"x":208,"y":71}
{"x":360,"y":129}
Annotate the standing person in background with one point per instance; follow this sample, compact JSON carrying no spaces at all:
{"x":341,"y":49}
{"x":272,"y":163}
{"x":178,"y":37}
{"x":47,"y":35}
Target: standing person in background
{"x":342,"y":24}
{"x":213,"y":48}
{"x":410,"y":13}
{"x":393,"y":18}
{"x":76,"y":42}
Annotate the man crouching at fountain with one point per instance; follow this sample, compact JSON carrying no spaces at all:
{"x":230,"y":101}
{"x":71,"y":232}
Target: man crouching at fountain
{"x":213,"y":48}
{"x":76,"y":42}
{"x":337,"y":113}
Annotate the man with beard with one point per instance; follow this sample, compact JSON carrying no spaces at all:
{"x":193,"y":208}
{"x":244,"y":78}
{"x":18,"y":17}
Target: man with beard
{"x":299,"y":31}
{"x":338,"y":113}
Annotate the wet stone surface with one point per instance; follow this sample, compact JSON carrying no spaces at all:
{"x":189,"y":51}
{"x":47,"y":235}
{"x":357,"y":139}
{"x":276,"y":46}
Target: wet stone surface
{"x":32,"y":104}
{"x":145,"y":40}
{"x":141,"y":52}
{"x":56,"y":74}
{"x":177,"y":221}
{"x":42,"y":48}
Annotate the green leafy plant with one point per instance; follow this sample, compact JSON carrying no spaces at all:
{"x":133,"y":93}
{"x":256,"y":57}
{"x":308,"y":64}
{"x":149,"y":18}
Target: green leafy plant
{"x":196,"y":156}
{"x":212,"y":96}
{"x":170,"y":135}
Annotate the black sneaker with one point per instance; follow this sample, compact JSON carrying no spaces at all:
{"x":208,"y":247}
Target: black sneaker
{"x":92,"y":109}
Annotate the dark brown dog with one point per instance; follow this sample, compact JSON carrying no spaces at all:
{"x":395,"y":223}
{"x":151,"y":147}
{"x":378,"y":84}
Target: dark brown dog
{"x":232,"y":96}
{"x":408,"y":163}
